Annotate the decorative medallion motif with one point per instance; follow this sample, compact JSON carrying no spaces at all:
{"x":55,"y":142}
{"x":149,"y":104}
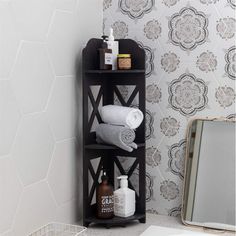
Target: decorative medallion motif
{"x":207,"y":2}
{"x":231,"y":117}
{"x":170,"y":3}
{"x":169,"y":126}
{"x":169,"y":62}
{"x":226,"y":27}
{"x":149,"y":53}
{"x":134,"y":178}
{"x":175,"y":211}
{"x":149,"y":124}
{"x":188,"y":28}
{"x":152,"y":211}
{"x":120,"y":29}
{"x":152,"y":29}
{"x":106,"y":4}
{"x":136,"y":9}
{"x":232,"y":3}
{"x":230,"y":67}
{"x":169,"y":190}
{"x":153,"y":156}
{"x":153,"y":94}
{"x":176,"y":155}
{"x":206,"y":61}
{"x":225,"y":96}
{"x":188,"y":94}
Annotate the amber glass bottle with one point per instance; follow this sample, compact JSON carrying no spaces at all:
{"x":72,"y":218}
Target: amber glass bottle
{"x":105,"y":199}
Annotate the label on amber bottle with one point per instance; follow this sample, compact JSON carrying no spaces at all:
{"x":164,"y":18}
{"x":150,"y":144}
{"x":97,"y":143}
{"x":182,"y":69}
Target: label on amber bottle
{"x":108,"y":58}
{"x":107,"y":204}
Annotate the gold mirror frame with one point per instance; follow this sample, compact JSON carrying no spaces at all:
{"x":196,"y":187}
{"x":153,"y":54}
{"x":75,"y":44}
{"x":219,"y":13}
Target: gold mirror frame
{"x":188,"y":138}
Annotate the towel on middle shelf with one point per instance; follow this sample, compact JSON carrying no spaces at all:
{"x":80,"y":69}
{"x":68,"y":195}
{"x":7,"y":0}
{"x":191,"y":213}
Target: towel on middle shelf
{"x":119,"y":136}
{"x":120,"y":115}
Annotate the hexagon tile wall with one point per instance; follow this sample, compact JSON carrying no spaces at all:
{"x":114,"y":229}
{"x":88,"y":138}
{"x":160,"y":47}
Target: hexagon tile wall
{"x":190,"y":61}
{"x":38,"y":45}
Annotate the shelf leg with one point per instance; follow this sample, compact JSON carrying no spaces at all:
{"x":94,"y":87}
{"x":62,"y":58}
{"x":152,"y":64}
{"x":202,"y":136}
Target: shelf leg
{"x":143,"y":220}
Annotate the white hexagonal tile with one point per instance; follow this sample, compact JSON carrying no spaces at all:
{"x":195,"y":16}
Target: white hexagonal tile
{"x":61,"y":176}
{"x":61,"y":111}
{"x":36,"y":209}
{"x":62,"y":43}
{"x":32,"y":77}
{"x":66,"y":5}
{"x":33,"y":148}
{"x":10,"y":41}
{"x":10,"y":189}
{"x":33,"y":18}
{"x":9,"y":117}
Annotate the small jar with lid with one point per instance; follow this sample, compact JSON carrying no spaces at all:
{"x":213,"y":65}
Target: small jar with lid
{"x":124,"y":61}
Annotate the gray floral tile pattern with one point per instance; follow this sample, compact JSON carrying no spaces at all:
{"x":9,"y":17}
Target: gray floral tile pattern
{"x":176,"y":158}
{"x":207,"y":62}
{"x":170,"y":3}
{"x":149,"y":53}
{"x":153,"y":156}
{"x":169,"y":62}
{"x":169,"y":190}
{"x":188,"y":94}
{"x":120,"y":29}
{"x":230,"y":58}
{"x":232,"y":3}
{"x":207,"y":2}
{"x":153,"y":94}
{"x":149,"y":124}
{"x":169,"y":126}
{"x":225,"y":96}
{"x":188,"y":28}
{"x":136,"y":9}
{"x":175,"y":211}
{"x":226,"y":27}
{"x":190,"y":72}
{"x":106,"y":4}
{"x":152,"y":29}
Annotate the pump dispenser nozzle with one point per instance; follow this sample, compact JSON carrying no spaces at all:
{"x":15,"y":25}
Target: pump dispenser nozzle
{"x":111,"y":36}
{"x":123,"y":181}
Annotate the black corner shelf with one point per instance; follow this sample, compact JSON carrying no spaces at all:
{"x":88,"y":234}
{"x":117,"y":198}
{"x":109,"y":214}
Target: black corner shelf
{"x":107,"y":156}
{"x":134,"y":71}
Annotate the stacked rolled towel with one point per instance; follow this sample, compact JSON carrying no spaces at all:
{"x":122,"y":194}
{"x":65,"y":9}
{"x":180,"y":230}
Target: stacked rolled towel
{"x":118,"y":130}
{"x":120,"y":136}
{"x":119,"y":115}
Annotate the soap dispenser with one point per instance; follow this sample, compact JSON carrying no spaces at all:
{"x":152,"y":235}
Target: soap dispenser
{"x":105,"y":56}
{"x":124,"y":199}
{"x":105,"y":199}
{"x":114,"y":46}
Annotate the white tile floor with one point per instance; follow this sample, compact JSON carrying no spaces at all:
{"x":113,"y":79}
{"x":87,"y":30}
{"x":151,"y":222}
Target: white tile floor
{"x":135,"y":229}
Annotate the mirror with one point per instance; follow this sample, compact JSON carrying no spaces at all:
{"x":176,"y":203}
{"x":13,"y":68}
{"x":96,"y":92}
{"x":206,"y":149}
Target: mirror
{"x":209,"y":189}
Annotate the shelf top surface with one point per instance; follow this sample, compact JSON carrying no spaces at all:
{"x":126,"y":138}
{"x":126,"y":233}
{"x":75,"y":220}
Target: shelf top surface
{"x":114,"y":71}
{"x":115,"y":219}
{"x":104,"y":146}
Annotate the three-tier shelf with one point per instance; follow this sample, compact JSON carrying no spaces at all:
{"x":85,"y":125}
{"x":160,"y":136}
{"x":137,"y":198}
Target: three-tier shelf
{"x":106,"y":83}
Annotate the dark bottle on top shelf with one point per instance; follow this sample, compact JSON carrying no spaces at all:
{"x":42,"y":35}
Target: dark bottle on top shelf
{"x":105,"y":199}
{"x":105,"y":56}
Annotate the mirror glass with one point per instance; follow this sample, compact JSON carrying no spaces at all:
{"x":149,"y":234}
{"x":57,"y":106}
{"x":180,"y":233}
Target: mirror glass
{"x":209,"y":195}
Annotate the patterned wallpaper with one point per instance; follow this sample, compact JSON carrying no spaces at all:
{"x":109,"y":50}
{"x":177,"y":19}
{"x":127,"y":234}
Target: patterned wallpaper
{"x":190,"y":72}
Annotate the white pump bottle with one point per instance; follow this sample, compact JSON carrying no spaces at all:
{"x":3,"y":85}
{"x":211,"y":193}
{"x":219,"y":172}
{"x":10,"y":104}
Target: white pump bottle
{"x":114,"y":46}
{"x":124,"y":199}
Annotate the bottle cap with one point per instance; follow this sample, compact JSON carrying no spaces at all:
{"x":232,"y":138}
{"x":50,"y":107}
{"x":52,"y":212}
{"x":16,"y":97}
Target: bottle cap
{"x":123,"y":181}
{"x":111,"y":36}
{"x":104,"y":176}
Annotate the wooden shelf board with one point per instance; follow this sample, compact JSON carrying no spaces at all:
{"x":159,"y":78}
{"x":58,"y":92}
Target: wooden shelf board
{"x":115,"y":220}
{"x":104,"y":146}
{"x":114,"y":71}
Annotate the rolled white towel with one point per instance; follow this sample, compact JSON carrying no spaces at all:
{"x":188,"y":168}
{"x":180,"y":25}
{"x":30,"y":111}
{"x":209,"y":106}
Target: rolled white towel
{"x":119,"y":115}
